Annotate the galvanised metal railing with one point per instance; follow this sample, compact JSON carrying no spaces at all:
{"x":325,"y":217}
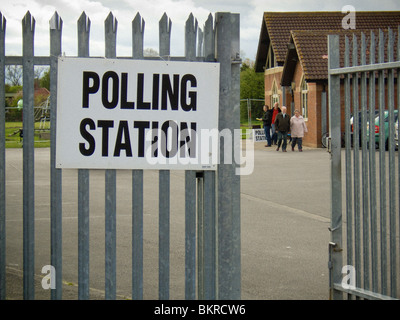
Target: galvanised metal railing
{"x":366,"y":93}
{"x":211,"y":196}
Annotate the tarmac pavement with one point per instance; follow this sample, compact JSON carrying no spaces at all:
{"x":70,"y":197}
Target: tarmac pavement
{"x":285,"y":207}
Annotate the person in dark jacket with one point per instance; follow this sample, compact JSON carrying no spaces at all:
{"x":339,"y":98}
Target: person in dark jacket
{"x":275,"y":111}
{"x":267,"y":120}
{"x":282,"y":126}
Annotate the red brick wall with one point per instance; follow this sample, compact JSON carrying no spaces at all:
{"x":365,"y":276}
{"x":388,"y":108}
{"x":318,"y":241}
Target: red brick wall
{"x":314,"y":135}
{"x":272,"y":75}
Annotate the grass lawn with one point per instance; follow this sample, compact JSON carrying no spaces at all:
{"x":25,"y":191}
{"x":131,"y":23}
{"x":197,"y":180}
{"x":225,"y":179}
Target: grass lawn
{"x":246,"y":125}
{"x":13,"y":139}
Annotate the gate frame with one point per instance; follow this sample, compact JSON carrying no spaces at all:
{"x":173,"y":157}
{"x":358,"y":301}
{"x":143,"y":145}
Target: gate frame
{"x":361,"y":206}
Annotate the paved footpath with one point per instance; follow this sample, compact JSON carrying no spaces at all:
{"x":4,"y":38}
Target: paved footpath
{"x":284,"y":228}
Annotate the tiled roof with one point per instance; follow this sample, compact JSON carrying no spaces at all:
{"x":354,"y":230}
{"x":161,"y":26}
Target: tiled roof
{"x":280,"y":24}
{"x":277,"y":27}
{"x":312,"y":51}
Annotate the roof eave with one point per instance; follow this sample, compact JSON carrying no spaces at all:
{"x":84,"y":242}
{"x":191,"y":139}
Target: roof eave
{"x":290,"y":63}
{"x":263,"y":43}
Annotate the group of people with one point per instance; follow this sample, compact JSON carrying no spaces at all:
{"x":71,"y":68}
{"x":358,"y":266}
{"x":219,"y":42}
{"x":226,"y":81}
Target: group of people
{"x":281,"y":124}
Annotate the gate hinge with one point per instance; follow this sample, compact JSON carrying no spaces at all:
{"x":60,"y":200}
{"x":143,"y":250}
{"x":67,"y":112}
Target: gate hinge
{"x":328,"y":144}
{"x":236,"y":59}
{"x":335,"y":247}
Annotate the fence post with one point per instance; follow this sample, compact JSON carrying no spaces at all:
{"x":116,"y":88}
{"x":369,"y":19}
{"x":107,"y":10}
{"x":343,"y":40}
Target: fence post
{"x":2,"y":163}
{"x":356,"y":171}
{"x":55,"y":174}
{"x":392,"y":178}
{"x":235,"y":104}
{"x":83,"y":185}
{"x":209,"y":40}
{"x":28,"y":26}
{"x":209,"y":203}
{"x":372,"y":171}
{"x":164,"y":193}
{"x":137,"y":184}
{"x":336,"y":167}
{"x":190,"y":191}
{"x":382,"y":165}
{"x":228,"y":244}
{"x":191,"y":178}
{"x":110,"y":27}
{"x":398,"y":110}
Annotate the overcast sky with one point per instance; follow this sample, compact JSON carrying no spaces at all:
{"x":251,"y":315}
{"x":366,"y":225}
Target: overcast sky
{"x":251,"y":12}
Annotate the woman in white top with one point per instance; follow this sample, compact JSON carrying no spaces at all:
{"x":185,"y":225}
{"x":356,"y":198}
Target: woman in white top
{"x":297,"y":128}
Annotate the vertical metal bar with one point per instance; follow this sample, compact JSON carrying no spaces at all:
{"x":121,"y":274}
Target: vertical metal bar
{"x":200,"y":236}
{"x":83,"y":185}
{"x":372,"y":170}
{"x":2,"y":162}
{"x":110,"y":27}
{"x":382,"y":166}
{"x":28,"y":26}
{"x":223,"y":43}
{"x":364,"y":167}
{"x":356,"y":168}
{"x":190,"y":38}
{"x":190,"y":235}
{"x":392,"y":177}
{"x":209,"y":192}
{"x":200,"y":43}
{"x":249,"y":112}
{"x":209,"y":252}
{"x":398,"y":116}
{"x":323,"y":111}
{"x":209,"y":39}
{"x":164,"y":197}
{"x":138,"y":26}
{"x":164,"y":235}
{"x":56,"y":174}
{"x":235,"y":125}
{"x":336,"y":165}
{"x":228,"y":246}
{"x":137,"y":234}
{"x":190,"y":196}
{"x":165,"y":26}
{"x":348,"y":142}
{"x":83,"y":234}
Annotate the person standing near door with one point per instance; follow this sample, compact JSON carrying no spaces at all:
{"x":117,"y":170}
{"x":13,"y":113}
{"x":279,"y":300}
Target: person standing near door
{"x":282,"y":126}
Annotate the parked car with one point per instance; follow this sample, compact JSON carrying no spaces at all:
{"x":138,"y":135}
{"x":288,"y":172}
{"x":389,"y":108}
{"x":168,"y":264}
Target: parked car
{"x":359,"y":125}
{"x":378,"y":130}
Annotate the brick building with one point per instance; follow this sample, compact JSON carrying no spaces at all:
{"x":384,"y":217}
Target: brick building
{"x":293,"y":54}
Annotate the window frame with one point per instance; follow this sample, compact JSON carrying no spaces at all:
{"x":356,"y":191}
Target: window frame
{"x":304,"y":90}
{"x":274,"y":94}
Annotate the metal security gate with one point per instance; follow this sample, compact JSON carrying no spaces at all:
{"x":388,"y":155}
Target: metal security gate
{"x":364,"y":103}
{"x":212,"y":205}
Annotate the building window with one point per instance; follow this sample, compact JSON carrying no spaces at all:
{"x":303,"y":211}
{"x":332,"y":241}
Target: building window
{"x":274,"y":95}
{"x":304,"y":98}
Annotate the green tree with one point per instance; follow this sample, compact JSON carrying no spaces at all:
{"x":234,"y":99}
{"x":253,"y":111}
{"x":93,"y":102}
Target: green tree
{"x":251,"y":87}
{"x":45,"y":80}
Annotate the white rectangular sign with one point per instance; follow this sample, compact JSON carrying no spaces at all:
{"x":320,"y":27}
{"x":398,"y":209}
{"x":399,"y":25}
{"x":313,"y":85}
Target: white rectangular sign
{"x":258,"y":135}
{"x":136,"y":114}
